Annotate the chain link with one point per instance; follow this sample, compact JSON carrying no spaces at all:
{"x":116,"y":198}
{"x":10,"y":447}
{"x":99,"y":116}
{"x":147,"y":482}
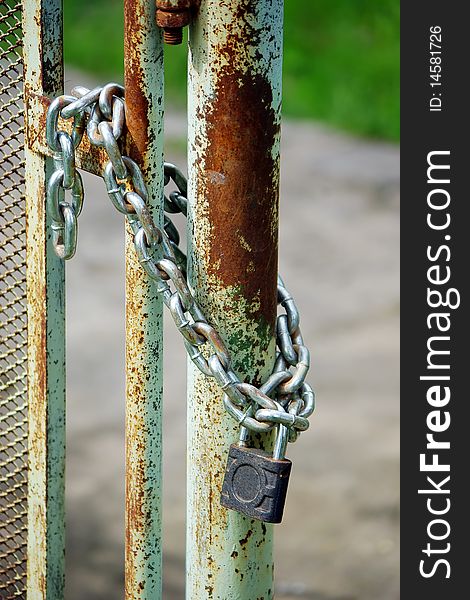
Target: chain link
{"x":64,"y":212}
{"x":285,"y":399}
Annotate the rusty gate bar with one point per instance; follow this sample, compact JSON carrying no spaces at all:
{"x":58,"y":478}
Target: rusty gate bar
{"x":46,"y":325}
{"x":143,"y":73}
{"x":234,"y":102}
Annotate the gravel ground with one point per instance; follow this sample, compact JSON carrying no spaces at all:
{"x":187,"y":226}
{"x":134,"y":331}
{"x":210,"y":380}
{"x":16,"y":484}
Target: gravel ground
{"x":339,"y":256}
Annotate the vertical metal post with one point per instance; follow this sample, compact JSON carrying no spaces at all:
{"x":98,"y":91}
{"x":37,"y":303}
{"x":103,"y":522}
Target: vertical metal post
{"x":43,"y":75}
{"x":144,"y":99}
{"x":234,"y":126}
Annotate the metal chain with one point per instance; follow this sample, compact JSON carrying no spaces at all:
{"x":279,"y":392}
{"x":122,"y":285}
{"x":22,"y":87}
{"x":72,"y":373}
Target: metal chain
{"x":64,"y":212}
{"x":284,"y":399}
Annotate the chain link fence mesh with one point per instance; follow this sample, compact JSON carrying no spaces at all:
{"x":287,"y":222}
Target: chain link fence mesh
{"x":13,"y":337}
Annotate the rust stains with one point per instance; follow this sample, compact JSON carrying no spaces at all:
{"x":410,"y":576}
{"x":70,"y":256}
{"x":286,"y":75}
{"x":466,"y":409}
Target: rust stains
{"x":240,"y":174}
{"x":135,"y":517}
{"x":88,"y":157}
{"x":137,"y":104}
{"x":243,"y":542}
{"x":36,"y":107}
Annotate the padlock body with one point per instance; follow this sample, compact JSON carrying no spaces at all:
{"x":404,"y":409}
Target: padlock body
{"x":255,"y":483}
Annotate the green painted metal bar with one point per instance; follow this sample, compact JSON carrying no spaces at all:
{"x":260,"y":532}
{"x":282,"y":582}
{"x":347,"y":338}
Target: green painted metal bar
{"x":234,"y":103}
{"x":144,"y":320}
{"x":43,"y":75}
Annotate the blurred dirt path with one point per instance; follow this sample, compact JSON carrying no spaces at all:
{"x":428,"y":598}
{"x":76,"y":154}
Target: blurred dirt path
{"x":339,"y":256}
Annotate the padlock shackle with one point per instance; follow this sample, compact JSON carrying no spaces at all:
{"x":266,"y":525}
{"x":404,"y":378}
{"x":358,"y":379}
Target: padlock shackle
{"x":280,"y":443}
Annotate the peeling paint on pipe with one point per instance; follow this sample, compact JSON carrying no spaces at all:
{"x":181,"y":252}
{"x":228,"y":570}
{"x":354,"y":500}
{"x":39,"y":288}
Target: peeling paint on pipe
{"x":43,"y":75}
{"x":144,"y":116}
{"x":234,"y":103}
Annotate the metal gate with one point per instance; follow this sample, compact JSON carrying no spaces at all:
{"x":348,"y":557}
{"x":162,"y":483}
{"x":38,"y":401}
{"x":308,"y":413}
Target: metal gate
{"x":235,"y":58}
{"x":13,"y":404}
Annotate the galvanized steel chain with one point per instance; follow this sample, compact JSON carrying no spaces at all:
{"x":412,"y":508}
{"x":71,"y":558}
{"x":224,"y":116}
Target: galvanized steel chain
{"x":284,"y":399}
{"x":64,"y":212}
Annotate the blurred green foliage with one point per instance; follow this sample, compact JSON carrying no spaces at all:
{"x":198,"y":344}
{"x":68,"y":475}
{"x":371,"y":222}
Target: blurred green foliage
{"x":341,"y":59}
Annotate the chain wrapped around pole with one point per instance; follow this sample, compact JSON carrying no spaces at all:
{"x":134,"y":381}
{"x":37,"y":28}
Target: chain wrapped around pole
{"x":285,"y":399}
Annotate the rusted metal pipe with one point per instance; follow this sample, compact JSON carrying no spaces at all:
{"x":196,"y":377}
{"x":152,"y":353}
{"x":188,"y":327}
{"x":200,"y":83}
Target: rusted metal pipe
{"x":143,"y":73}
{"x":234,"y":129}
{"x":43,"y":75}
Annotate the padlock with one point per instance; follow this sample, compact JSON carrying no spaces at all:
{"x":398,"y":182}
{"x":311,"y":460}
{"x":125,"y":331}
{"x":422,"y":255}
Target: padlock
{"x":255,"y":482}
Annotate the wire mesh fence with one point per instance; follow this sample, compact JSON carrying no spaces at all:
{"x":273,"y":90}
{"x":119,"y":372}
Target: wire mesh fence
{"x":13,"y":402}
